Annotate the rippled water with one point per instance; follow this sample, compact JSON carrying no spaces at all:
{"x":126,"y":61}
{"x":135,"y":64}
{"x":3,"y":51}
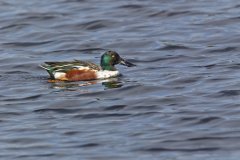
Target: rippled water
{"x":181,"y":102}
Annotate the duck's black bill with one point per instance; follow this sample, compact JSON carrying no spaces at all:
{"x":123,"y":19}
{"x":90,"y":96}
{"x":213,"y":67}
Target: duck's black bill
{"x":126,"y":63}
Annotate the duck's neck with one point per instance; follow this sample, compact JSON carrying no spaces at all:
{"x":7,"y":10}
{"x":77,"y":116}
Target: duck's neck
{"x":108,"y":67}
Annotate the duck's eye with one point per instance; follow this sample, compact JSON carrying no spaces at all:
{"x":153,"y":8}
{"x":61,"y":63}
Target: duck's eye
{"x":113,"y":56}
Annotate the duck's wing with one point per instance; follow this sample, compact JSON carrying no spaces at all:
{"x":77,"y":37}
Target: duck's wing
{"x":88,"y":64}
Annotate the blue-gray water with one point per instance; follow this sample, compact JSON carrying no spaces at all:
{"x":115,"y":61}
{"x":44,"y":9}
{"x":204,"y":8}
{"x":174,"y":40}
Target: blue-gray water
{"x":181,"y":102}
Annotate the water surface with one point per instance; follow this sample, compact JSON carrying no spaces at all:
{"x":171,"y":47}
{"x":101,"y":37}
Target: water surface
{"x":181,"y":102}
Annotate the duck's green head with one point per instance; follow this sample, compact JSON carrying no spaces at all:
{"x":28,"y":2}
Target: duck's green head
{"x":111,"y":58}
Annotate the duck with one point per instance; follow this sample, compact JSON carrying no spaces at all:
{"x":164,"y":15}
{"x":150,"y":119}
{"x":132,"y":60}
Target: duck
{"x":78,"y":70}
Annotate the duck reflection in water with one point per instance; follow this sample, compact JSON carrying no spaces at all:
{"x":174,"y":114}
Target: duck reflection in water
{"x":107,"y":83}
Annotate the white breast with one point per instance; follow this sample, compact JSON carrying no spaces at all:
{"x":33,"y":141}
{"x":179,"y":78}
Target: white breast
{"x":107,"y":74}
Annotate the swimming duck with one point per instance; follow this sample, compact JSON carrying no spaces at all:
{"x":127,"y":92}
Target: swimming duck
{"x":78,"y":70}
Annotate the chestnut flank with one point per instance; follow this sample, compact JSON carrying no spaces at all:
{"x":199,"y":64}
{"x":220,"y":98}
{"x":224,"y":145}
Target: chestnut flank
{"x":80,"y":75}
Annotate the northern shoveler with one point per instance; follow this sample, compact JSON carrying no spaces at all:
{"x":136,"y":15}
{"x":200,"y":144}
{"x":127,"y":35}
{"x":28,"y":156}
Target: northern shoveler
{"x":81,"y":70}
